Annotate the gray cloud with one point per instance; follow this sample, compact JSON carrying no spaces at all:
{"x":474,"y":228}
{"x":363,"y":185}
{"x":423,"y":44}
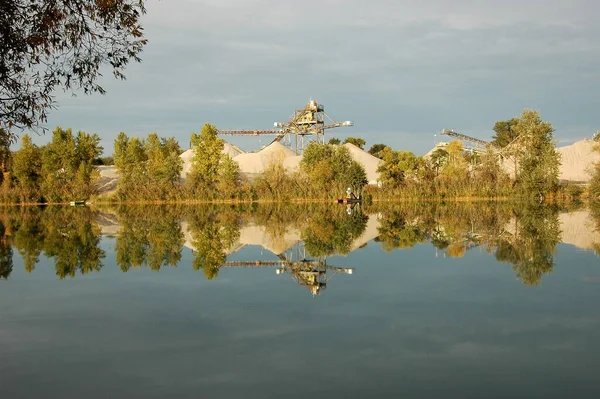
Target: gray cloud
{"x":391,"y":66}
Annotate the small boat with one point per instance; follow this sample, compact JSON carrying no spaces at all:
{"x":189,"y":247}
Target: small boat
{"x":77,"y":203}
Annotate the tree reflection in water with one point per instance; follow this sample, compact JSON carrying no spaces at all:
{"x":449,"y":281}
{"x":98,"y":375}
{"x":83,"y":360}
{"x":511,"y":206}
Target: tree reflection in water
{"x":524,"y":235}
{"x":153,"y":236}
{"x":68,"y":235}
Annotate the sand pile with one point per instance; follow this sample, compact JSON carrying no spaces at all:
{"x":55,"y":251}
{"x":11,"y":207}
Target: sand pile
{"x":229,"y":149}
{"x":256,"y":162}
{"x":368,"y":161}
{"x":578,"y":160}
{"x":441,"y":145}
{"x":292,"y":164}
{"x":109,"y":179}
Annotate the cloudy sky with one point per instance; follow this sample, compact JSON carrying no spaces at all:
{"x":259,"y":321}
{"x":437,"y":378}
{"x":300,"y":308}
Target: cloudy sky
{"x":401,"y":70}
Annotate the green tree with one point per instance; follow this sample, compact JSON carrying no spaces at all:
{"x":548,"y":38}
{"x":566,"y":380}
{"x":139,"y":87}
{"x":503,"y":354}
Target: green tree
{"x":505,"y":132}
{"x":360,"y":143}
{"x":505,"y":139}
{"x":27,"y":168}
{"x":208,"y":151}
{"x":391,"y":173}
{"x":488,"y":176}
{"x":377,"y":150}
{"x":229,"y":177}
{"x":439,"y":158}
{"x":539,"y":159}
{"x":48,"y":45}
{"x":5,"y":154}
{"x":67,"y":165}
{"x":335,"y":141}
{"x":331,"y":169}
{"x":130,"y":159}
{"x":163,"y":165}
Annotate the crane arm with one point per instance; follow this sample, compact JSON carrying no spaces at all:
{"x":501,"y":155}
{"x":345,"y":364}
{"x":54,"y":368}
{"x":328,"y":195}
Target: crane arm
{"x":464,"y":137}
{"x":248,"y":132}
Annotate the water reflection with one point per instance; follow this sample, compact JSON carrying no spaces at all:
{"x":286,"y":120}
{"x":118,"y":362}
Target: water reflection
{"x":70,"y":236}
{"x":310,"y":273}
{"x":301,"y":237}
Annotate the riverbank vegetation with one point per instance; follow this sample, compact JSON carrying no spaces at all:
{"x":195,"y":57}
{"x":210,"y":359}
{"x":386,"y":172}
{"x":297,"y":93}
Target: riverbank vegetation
{"x":520,"y":162}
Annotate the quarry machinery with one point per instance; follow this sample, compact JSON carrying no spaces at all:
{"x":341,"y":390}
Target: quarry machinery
{"x":480,"y":144}
{"x":310,"y":122}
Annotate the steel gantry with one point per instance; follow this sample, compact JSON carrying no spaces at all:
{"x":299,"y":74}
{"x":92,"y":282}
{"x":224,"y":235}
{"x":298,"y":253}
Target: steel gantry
{"x":310,"y":122}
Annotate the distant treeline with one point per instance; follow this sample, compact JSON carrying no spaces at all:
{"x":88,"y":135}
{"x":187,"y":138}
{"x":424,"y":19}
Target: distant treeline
{"x":149,"y":169}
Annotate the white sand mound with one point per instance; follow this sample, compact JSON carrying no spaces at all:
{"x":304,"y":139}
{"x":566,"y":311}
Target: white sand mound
{"x":109,"y":179}
{"x":229,"y":149}
{"x":578,"y":160}
{"x":257,"y":162}
{"x":368,"y":161}
{"x":440,"y":145}
{"x":292,"y":164}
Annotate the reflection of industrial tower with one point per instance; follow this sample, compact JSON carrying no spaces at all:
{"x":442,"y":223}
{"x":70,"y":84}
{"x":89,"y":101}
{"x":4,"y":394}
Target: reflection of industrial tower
{"x":309,"y":121}
{"x":309,"y":273}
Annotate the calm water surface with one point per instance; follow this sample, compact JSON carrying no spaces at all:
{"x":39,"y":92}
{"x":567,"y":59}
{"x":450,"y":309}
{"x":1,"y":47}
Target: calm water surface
{"x":466,"y":301}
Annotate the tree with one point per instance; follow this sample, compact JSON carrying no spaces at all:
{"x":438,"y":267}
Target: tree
{"x":360,"y":143}
{"x":67,"y":170}
{"x":439,"y":158}
{"x":5,"y":154}
{"x":489,"y":177}
{"x":539,"y":159}
{"x":454,"y":176}
{"x":163,"y":165}
{"x":505,"y":139}
{"x":335,"y":141}
{"x":130,"y":158}
{"x":390,"y":172}
{"x":208,"y":150}
{"x":229,"y":176}
{"x":331,"y":168}
{"x":505,"y":132}
{"x":377,"y":149}
{"x":46,"y":45}
{"x":27,"y":165}
{"x":398,"y":167}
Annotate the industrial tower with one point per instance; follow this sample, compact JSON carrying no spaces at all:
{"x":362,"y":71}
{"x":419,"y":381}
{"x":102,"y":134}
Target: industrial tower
{"x":310,"y":122}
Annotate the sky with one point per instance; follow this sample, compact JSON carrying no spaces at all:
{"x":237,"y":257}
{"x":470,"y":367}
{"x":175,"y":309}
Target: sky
{"x":401,"y":70}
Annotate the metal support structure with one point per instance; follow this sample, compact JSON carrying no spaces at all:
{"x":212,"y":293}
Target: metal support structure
{"x":464,"y":137}
{"x":310,"y":121}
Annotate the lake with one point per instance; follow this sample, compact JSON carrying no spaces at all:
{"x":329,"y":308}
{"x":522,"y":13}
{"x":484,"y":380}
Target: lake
{"x":488,"y":300}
